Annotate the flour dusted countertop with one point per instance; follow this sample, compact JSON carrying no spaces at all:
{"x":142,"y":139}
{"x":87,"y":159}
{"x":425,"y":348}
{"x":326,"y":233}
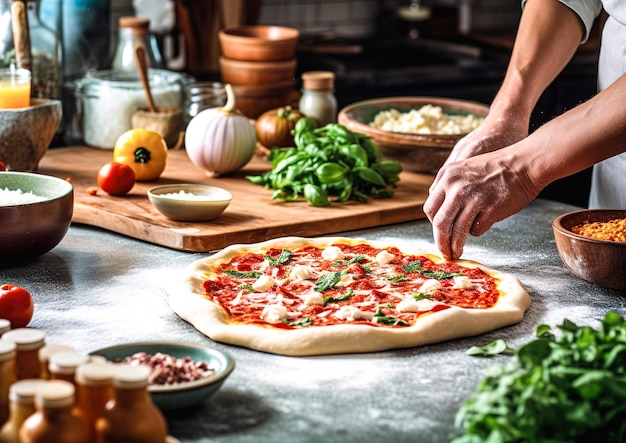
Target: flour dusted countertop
{"x":99,"y":288}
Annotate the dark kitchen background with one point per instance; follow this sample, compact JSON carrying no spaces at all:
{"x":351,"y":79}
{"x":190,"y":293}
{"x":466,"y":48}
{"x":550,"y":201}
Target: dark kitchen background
{"x":376,"y":50}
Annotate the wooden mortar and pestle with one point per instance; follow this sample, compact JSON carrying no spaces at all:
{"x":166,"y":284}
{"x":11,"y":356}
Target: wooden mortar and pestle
{"x":165,"y":121}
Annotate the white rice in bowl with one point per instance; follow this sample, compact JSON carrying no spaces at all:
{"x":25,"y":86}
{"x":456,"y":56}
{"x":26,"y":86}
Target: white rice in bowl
{"x":13,"y":197}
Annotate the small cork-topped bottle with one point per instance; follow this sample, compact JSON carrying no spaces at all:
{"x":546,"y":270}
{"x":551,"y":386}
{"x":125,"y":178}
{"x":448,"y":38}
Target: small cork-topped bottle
{"x":46,"y":352}
{"x":62,"y":365}
{"x":28,"y":342}
{"x":5,"y":325}
{"x":53,"y":420}
{"x":94,"y":389}
{"x":318,"y":100}
{"x":131,"y":417}
{"x":21,"y":406}
{"x":7,"y":376}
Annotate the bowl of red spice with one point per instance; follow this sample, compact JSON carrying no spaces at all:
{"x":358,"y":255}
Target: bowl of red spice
{"x":592,"y":245}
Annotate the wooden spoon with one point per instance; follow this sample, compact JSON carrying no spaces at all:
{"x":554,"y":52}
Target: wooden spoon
{"x":142,"y":66}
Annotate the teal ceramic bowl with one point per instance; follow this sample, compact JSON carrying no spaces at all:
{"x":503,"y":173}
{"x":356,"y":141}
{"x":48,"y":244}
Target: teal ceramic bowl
{"x":190,"y":202}
{"x":178,"y":395}
{"x":35,"y":214}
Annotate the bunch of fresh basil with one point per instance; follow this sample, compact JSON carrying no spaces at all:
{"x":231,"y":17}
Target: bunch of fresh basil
{"x":569,"y":387}
{"x":329,"y":161}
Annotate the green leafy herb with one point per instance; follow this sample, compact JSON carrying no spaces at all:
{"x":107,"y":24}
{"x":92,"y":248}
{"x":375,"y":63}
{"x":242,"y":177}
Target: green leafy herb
{"x":284,"y":257}
{"x":387,"y":319}
{"x":328,"y":280}
{"x":395,"y":278}
{"x":239,"y":274}
{"x":494,"y":348}
{"x":355,"y":259}
{"x":329,"y":161}
{"x":302,"y":323}
{"x":567,"y":387}
{"x":344,"y":297}
{"x":421,"y":296}
{"x":416,"y":266}
{"x":246,"y":287}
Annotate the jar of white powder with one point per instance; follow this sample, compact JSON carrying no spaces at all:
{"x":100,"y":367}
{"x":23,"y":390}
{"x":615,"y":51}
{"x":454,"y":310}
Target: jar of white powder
{"x":110,"y":98}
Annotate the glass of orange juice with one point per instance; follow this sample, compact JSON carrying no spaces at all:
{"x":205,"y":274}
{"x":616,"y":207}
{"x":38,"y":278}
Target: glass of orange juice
{"x":14,"y":88}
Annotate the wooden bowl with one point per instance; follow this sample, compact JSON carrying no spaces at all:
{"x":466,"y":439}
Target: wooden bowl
{"x":254,"y":100}
{"x":241,"y":72}
{"x":600,"y":262}
{"x":259,"y":43}
{"x":424,"y":153}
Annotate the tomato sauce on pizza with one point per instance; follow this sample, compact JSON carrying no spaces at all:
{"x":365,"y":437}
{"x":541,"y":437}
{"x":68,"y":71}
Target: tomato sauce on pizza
{"x":343,"y":284}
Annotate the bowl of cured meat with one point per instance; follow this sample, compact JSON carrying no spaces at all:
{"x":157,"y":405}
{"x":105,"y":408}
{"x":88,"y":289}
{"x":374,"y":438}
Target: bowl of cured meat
{"x":183,"y":374}
{"x":592,"y":245}
{"x":36,"y":211}
{"x":417,"y":132}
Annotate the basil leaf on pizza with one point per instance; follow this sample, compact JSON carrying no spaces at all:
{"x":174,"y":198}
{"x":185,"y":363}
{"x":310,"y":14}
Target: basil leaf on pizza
{"x":328,"y":295}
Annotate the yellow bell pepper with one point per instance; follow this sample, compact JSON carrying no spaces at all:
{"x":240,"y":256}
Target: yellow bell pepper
{"x":144,"y":151}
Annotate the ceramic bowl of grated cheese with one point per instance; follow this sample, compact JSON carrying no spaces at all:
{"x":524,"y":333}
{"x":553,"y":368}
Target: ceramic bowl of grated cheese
{"x":418,"y":132}
{"x":35,"y":213}
{"x":190,"y":202}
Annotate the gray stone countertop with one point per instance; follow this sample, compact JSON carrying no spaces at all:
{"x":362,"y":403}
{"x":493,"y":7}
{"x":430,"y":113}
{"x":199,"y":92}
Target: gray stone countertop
{"x":97,"y":289}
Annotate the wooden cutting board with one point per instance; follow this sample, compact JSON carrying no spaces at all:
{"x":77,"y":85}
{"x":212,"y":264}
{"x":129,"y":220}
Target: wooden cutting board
{"x":251,"y":217}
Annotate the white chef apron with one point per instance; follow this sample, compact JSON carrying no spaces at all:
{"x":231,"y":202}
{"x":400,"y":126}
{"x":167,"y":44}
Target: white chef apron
{"x":608,"y":183}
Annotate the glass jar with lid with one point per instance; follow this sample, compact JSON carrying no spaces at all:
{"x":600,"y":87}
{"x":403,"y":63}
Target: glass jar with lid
{"x":113,"y":96}
{"x":318,"y":99}
{"x":135,"y":31}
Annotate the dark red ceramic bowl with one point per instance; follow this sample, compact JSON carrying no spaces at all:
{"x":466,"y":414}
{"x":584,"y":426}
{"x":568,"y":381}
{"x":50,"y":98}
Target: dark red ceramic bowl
{"x":600,"y":262}
{"x":30,"y":229}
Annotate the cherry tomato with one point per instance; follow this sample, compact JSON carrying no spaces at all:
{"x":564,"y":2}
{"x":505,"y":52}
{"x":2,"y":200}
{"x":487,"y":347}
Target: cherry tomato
{"x":116,"y":178}
{"x":16,"y":305}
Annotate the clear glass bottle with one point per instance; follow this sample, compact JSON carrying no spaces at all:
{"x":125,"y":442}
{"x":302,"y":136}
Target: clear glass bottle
{"x":318,"y":97}
{"x":7,"y":376}
{"x":131,"y":416}
{"x":54,"y":421}
{"x":28,"y":342}
{"x":133,"y":31}
{"x":94,"y":389}
{"x":21,"y":406}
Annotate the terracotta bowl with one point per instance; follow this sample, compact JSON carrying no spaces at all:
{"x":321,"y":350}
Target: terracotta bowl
{"x":32,"y":229}
{"x":600,"y":262}
{"x":26,"y":133}
{"x":423,"y":153}
{"x":254,"y":100}
{"x":241,"y":72}
{"x":259,"y":43}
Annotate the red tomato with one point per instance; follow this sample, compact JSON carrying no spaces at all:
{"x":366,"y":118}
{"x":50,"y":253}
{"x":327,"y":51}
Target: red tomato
{"x":16,"y":305}
{"x":2,"y":167}
{"x":116,"y":178}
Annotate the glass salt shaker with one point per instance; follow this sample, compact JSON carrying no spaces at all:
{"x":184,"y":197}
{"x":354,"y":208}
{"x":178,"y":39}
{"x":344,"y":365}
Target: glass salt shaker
{"x":318,"y":99}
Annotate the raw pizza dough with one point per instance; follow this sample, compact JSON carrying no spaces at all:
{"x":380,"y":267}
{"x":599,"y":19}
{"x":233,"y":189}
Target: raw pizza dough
{"x":185,"y":296}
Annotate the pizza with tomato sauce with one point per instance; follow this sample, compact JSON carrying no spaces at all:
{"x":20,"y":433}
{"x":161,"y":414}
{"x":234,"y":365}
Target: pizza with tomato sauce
{"x":328,"y":295}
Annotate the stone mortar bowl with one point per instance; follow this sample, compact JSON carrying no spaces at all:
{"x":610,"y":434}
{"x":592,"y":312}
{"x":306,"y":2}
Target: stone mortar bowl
{"x":26,"y":133}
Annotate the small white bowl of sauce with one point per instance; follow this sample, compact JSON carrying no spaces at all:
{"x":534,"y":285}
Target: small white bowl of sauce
{"x":190,"y":202}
